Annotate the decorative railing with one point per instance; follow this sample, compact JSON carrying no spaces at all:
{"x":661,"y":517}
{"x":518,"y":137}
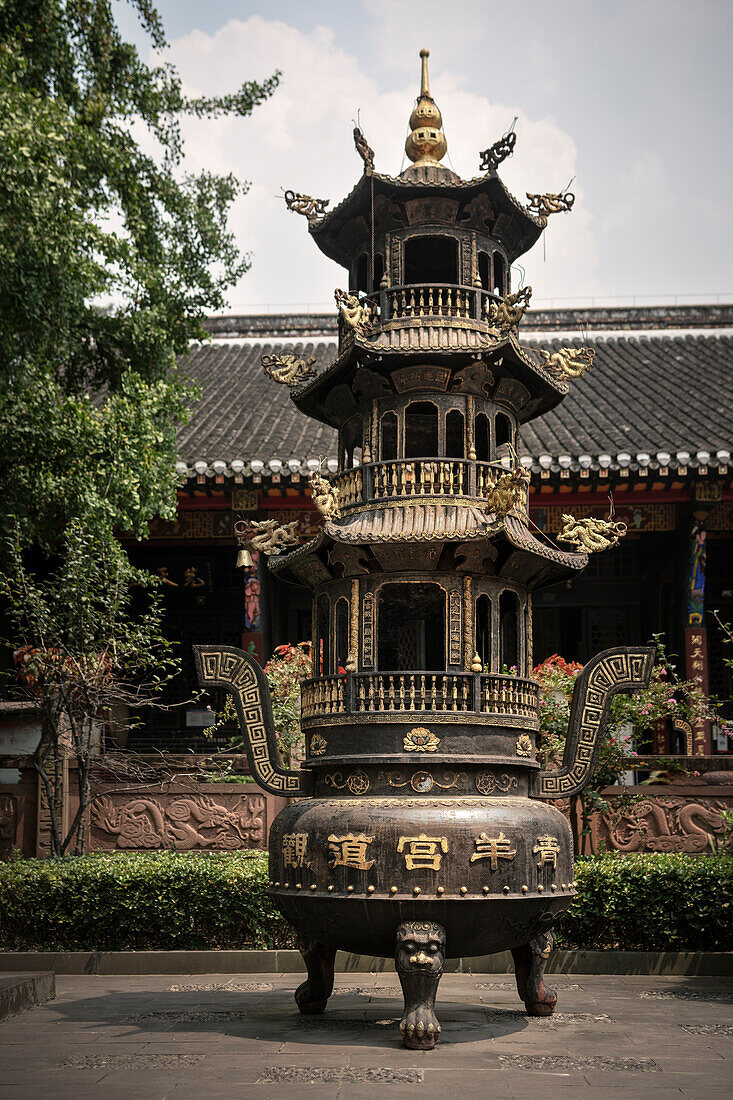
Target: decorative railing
{"x":509,"y":695}
{"x":433,"y":300}
{"x":350,"y":487}
{"x":419,"y":692}
{"x":410,"y":691}
{"x":326,"y":695}
{"x":419,"y":477}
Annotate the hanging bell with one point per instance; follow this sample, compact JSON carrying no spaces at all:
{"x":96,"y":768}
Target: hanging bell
{"x":244,"y":559}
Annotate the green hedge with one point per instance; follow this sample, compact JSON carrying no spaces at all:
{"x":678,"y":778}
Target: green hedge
{"x":651,"y":902}
{"x":167,"y":900}
{"x":139,"y":902}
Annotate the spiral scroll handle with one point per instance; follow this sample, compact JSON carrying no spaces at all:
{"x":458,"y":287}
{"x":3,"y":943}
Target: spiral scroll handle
{"x":621,"y":669}
{"x":224,"y":666}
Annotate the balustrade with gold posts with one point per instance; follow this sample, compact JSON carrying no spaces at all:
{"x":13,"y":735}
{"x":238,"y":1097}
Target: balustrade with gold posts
{"x":420,"y":692}
{"x":403,"y":479}
{"x":463,"y":303}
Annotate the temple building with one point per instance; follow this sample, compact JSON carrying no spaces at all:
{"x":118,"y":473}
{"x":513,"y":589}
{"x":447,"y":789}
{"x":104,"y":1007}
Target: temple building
{"x":432,"y":375}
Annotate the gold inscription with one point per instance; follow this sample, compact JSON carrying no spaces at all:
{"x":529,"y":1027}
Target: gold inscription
{"x":423,"y":852}
{"x":547,"y":848}
{"x":294,"y":849}
{"x":492,"y":848}
{"x":350,"y":851}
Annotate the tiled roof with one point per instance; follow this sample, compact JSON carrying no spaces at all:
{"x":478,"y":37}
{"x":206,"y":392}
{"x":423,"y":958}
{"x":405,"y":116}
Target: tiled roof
{"x":644,"y":396}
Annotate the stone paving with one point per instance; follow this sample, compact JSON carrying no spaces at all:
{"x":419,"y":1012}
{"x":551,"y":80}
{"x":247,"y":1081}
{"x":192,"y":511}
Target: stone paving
{"x":216,"y":1037}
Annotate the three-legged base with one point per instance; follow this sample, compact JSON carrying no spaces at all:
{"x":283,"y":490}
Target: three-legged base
{"x":419,"y":960}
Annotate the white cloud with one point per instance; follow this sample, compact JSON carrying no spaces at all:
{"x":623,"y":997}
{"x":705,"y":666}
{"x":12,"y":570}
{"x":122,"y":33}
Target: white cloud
{"x":301,"y":139}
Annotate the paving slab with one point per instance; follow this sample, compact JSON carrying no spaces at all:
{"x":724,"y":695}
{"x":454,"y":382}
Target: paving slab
{"x":163,"y":1037}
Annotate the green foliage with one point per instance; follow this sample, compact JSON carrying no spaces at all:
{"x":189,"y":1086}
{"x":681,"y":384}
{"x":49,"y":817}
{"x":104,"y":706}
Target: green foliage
{"x":630,"y":718}
{"x":94,"y":204}
{"x":285,"y":671}
{"x":168,"y":900}
{"x":157,"y":900}
{"x":110,"y":255}
{"x":651,"y":902}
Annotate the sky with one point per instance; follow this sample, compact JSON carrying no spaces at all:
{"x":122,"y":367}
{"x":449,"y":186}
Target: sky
{"x":629,"y":98}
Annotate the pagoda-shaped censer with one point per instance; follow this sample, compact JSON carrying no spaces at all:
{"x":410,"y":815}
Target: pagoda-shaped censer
{"x":422,"y":825}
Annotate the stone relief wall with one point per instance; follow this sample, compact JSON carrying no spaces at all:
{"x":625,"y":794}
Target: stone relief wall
{"x":180,"y":821}
{"x":666,"y":822}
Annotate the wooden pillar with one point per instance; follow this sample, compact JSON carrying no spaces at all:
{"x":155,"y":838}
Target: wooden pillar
{"x":696,"y":642}
{"x":252,"y":634}
{"x":469,"y":643}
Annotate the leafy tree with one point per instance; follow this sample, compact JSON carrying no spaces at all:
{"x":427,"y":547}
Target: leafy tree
{"x":110,"y":256}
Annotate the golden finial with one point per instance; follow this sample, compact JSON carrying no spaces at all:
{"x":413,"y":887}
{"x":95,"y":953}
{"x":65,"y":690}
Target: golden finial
{"x":426,"y":143}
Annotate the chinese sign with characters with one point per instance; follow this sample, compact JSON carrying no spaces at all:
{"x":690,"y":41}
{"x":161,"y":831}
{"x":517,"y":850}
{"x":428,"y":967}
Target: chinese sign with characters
{"x":546,"y":848}
{"x":294,"y":848}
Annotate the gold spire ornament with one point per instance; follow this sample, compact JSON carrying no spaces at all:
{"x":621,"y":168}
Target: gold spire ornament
{"x":426,"y":143}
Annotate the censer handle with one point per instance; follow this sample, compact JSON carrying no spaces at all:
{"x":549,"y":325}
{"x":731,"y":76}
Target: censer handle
{"x":624,"y":668}
{"x":225,"y":666}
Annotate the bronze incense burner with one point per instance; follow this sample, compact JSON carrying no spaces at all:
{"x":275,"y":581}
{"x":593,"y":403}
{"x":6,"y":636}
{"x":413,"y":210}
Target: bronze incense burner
{"x":422,"y":825}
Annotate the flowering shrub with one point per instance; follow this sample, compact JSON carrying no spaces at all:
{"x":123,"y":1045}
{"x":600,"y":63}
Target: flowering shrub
{"x":286,"y":668}
{"x":630,"y":719}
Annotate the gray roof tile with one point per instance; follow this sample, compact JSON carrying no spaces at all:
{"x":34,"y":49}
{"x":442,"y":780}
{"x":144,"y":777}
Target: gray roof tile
{"x":643,"y":394}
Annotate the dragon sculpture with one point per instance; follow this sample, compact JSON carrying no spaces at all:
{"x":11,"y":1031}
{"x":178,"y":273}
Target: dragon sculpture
{"x":507,"y":492}
{"x":591,"y":535}
{"x":266,"y":535}
{"x":325,"y":496}
{"x":506,"y":315}
{"x":364,"y":150}
{"x":492,"y":157}
{"x":568,"y":362}
{"x":356,"y":314}
{"x":306,"y":205}
{"x":551,"y":203}
{"x":288,"y":370}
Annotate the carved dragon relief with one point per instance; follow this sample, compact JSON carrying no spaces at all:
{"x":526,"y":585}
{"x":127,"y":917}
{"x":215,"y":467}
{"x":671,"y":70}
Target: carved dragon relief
{"x":182,"y":823}
{"x":622,"y":669}
{"x":238,"y":673}
{"x":664,"y":824}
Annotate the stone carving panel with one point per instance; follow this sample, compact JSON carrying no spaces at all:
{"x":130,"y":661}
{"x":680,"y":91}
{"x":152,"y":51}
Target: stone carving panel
{"x":665,"y":824}
{"x":181,"y":822}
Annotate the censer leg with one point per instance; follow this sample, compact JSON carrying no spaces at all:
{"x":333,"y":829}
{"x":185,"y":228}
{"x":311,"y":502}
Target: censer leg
{"x":419,"y":959}
{"x":312,"y":996}
{"x":530,"y":961}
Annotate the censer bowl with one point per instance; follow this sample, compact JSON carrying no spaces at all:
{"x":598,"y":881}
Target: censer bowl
{"x":494,"y":872}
